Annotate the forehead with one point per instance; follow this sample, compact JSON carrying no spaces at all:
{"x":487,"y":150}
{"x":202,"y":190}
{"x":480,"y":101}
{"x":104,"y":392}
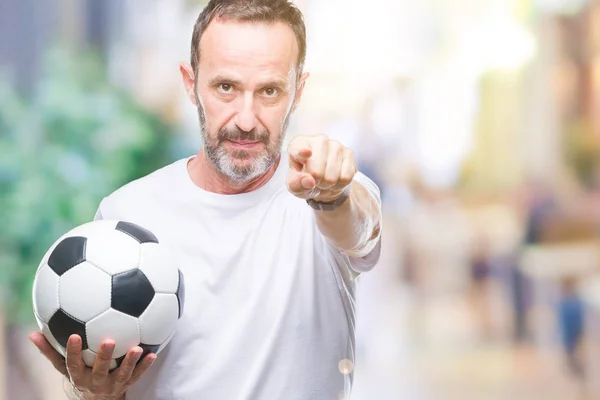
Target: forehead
{"x":249,"y":47}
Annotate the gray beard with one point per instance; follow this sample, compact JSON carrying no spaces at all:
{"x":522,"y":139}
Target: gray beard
{"x":225,"y":163}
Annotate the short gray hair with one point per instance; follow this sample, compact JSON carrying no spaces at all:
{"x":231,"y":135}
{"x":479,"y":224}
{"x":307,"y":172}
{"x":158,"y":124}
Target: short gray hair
{"x":269,"y":11}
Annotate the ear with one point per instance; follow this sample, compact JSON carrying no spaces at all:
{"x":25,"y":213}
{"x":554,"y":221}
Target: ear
{"x":187,"y":74}
{"x":300,"y":89}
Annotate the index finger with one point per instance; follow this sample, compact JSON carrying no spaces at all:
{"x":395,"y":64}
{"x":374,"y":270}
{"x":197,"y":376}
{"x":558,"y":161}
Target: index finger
{"x":300,"y":144}
{"x":75,"y":365}
{"x":299,"y":157}
{"x":102,"y":362}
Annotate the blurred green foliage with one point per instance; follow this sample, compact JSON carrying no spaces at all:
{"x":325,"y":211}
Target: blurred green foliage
{"x":74,"y":141}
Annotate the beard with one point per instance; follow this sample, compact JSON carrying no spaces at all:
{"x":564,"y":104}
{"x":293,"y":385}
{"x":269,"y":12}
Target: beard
{"x":241,"y":166}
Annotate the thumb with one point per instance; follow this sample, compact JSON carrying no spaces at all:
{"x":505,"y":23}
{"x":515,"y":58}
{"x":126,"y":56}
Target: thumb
{"x":57,"y":360}
{"x":299,"y":183}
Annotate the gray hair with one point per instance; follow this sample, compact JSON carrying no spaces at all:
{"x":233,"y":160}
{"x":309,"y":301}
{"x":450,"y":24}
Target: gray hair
{"x":269,"y":11}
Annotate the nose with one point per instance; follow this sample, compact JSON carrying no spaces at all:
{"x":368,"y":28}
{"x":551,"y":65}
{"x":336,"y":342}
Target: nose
{"x":245,"y":117}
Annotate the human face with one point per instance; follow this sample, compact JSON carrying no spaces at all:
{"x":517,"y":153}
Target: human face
{"x":245,"y":89}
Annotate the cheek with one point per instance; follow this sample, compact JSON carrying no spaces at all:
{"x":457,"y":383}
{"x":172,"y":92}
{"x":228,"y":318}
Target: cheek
{"x":217,"y":114}
{"x":273,"y":117}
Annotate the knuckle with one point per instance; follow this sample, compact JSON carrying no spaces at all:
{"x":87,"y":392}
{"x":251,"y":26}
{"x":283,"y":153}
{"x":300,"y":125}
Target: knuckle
{"x":317,"y":175}
{"x":73,"y":369}
{"x":346,"y":180}
{"x":121,"y":380}
{"x":129,"y":367}
{"x":335,"y":145}
{"x":137,"y":374}
{"x":329,"y":181}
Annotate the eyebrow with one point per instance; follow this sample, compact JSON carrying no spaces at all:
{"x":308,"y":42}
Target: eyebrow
{"x":223,"y":79}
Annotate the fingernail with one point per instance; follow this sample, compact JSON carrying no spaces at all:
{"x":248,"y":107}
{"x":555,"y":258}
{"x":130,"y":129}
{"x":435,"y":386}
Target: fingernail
{"x":152,"y":359}
{"x":74,"y":339}
{"x":108,"y":345}
{"x":306,"y":183}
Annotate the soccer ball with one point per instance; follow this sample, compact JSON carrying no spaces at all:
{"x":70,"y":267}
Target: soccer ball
{"x":108,"y":280}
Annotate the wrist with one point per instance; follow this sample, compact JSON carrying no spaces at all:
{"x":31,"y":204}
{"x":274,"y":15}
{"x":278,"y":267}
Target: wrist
{"x":74,"y":393}
{"x":330,"y":201}
{"x":90,"y":396}
{"x":329,"y":196}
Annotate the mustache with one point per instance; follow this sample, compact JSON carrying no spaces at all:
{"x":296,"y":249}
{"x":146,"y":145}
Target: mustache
{"x":236,"y":134}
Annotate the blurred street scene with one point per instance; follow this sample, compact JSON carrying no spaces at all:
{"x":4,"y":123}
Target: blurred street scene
{"x":479,"y":119}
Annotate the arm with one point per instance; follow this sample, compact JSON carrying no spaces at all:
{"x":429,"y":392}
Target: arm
{"x":324,"y":171}
{"x":355,"y":225}
{"x":85,"y":383}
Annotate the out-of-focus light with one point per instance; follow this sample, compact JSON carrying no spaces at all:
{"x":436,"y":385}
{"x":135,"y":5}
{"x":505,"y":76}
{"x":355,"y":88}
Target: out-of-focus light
{"x":375,"y":43}
{"x":568,"y":7}
{"x":498,"y":43}
{"x":346,"y":367}
{"x":447,"y":108}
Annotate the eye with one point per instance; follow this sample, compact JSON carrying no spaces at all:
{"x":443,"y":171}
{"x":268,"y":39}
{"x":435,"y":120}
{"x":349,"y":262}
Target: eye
{"x":225,"y":87}
{"x":270,"y":92}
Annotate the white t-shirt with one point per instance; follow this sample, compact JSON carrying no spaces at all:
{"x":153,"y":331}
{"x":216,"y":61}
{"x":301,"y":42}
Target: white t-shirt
{"x":269,"y":303}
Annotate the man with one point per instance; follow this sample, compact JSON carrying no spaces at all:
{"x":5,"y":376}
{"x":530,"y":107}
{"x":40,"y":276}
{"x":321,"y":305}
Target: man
{"x":270,"y":244}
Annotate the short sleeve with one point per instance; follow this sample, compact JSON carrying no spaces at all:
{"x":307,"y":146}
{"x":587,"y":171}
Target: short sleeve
{"x":368,"y":256}
{"x":374,"y":245}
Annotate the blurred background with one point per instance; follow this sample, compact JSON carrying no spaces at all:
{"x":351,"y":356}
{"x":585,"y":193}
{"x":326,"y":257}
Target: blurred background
{"x":479,"y":119}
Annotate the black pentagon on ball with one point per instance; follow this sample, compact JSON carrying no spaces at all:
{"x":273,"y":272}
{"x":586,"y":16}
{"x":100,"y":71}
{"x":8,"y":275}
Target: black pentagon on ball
{"x":146,"y":349}
{"x":62,"y":326}
{"x":180,"y":293}
{"x":132,"y":292}
{"x":142,"y":235}
{"x":67,"y":254}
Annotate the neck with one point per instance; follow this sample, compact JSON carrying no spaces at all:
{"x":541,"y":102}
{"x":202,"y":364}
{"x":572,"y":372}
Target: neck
{"x":204,"y":174}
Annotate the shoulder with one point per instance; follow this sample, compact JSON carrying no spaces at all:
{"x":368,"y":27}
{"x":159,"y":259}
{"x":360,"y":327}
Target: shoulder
{"x":141,"y":190}
{"x":368,"y":184}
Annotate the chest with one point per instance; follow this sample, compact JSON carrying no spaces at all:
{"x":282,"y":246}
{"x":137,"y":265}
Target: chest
{"x":257,"y":256}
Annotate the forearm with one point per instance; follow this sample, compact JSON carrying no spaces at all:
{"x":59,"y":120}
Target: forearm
{"x":354,"y":224}
{"x":74,"y":394}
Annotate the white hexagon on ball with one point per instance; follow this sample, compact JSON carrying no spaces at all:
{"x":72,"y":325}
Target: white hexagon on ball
{"x":112,"y":251}
{"x":159,"y":319}
{"x":115,"y":325}
{"x":158,"y":267}
{"x":94,"y":228}
{"x":84,"y":292}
